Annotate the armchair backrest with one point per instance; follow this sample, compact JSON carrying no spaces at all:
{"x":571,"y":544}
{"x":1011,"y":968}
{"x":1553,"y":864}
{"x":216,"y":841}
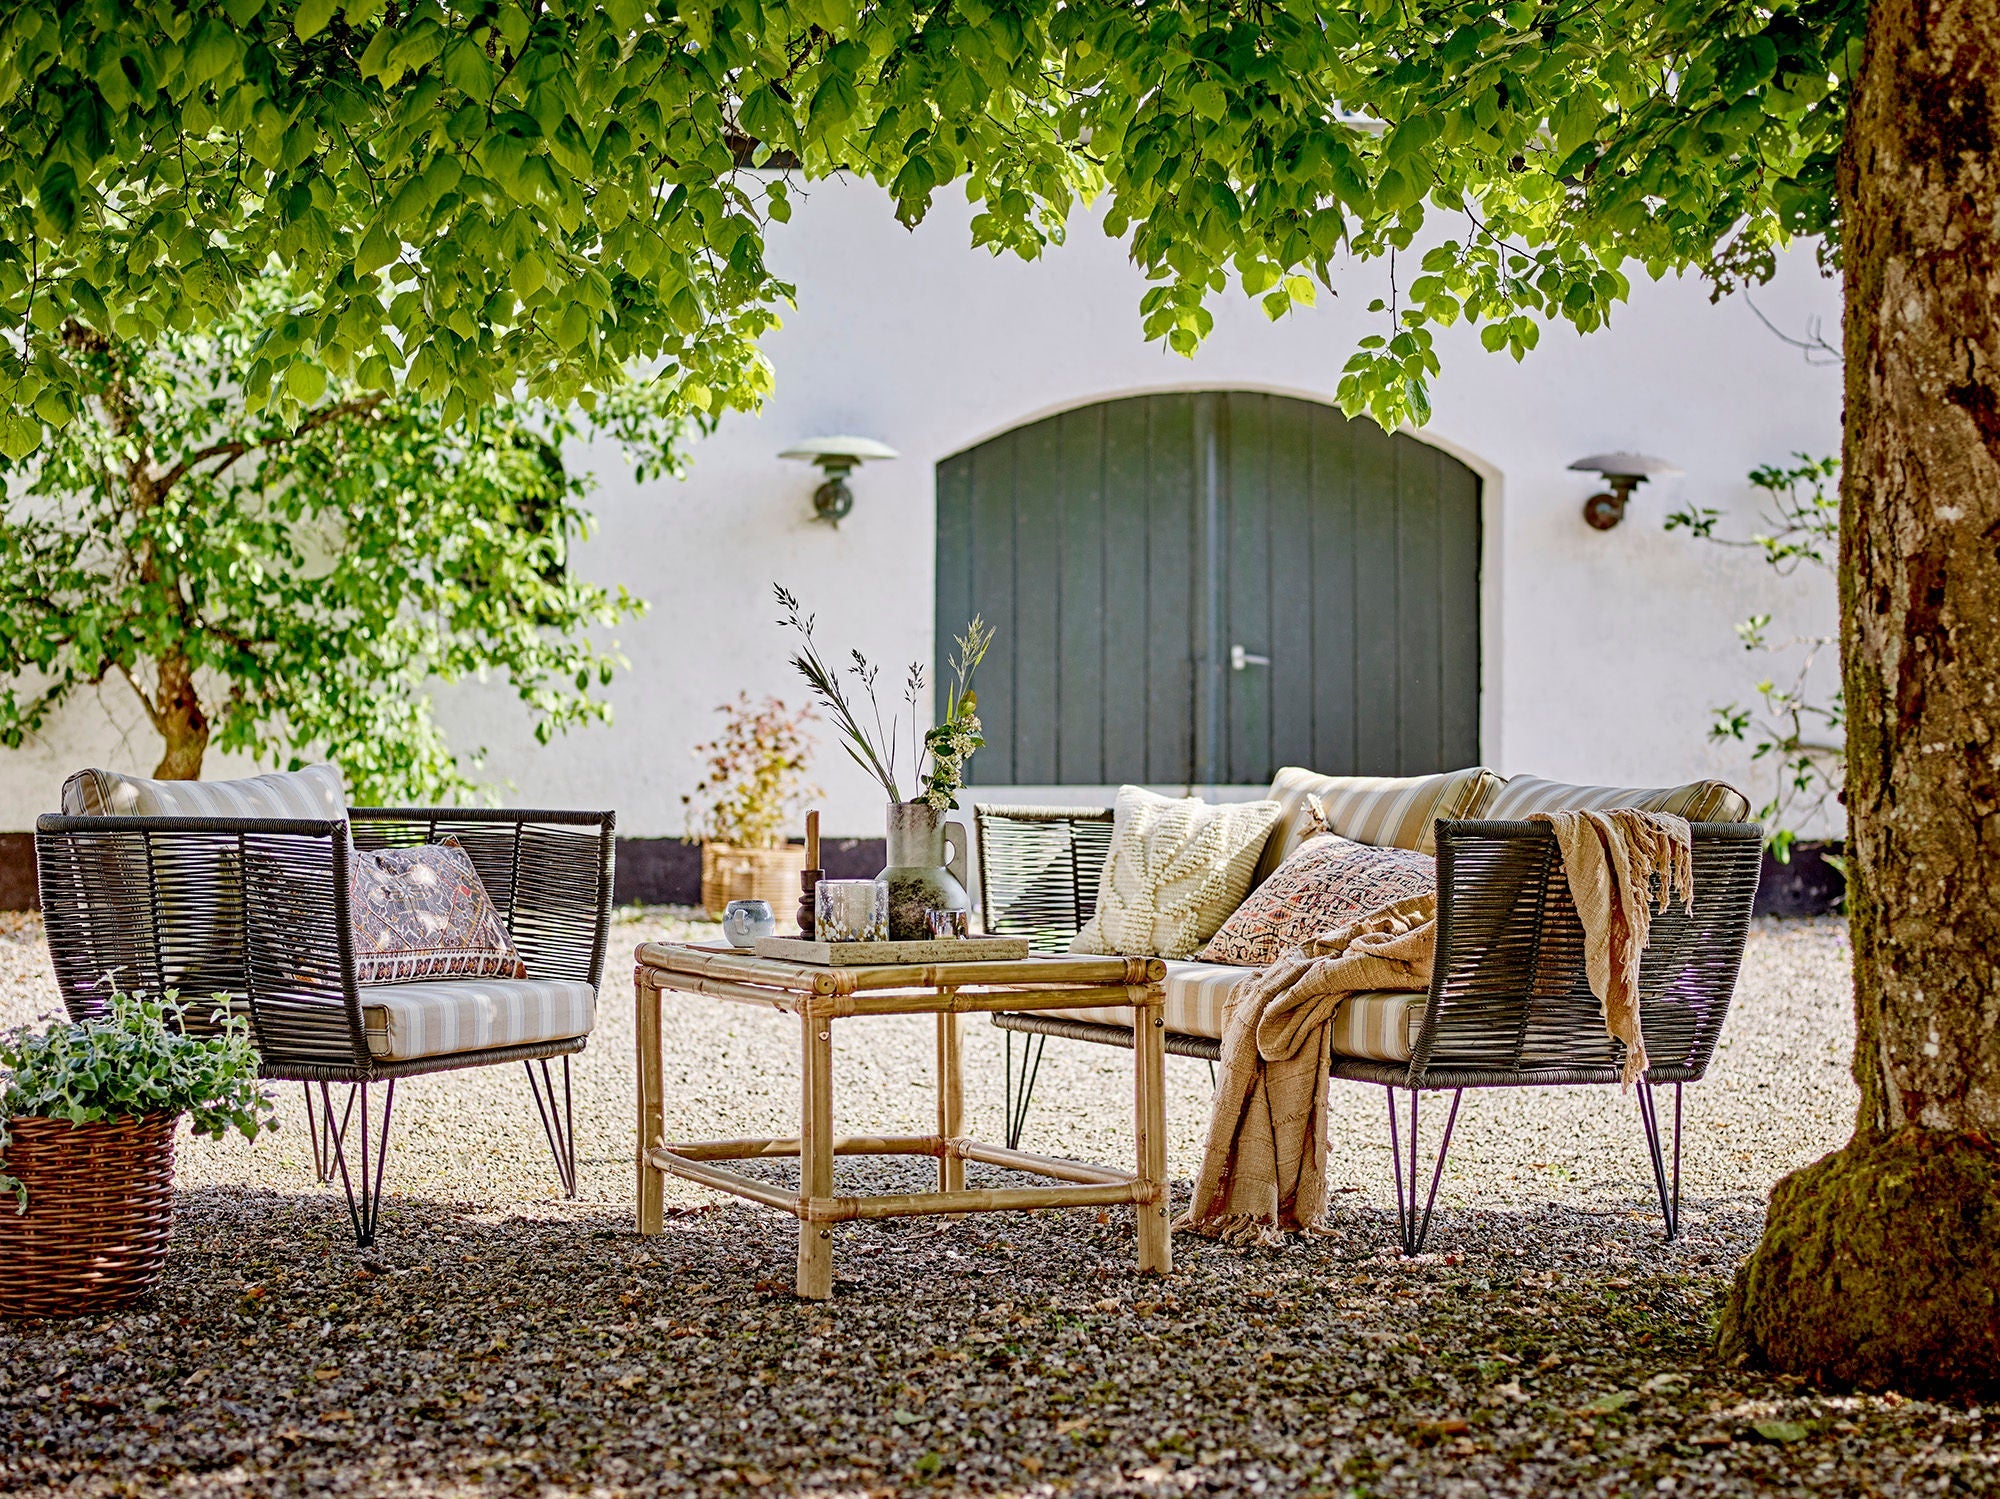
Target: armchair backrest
{"x":1038,"y":870}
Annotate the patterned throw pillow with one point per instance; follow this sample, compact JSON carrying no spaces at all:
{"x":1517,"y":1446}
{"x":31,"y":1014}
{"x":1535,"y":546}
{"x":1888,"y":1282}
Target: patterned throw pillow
{"x":421,"y":913}
{"x":1329,"y":882}
{"x":1177,"y":867}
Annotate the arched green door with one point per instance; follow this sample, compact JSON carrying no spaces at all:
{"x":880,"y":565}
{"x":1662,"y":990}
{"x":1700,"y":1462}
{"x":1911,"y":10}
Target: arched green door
{"x":1197,"y":588}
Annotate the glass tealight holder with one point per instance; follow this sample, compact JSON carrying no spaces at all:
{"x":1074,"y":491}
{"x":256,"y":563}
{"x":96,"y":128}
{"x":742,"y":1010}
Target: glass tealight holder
{"x":949,"y":926}
{"x":851,"y":911}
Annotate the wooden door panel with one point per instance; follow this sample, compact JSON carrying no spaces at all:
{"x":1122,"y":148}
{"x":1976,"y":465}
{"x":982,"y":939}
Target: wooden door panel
{"x":1121,"y":550}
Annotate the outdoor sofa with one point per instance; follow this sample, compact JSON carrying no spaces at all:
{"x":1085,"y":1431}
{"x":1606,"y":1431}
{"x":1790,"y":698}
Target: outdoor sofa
{"x":246,"y":895}
{"x":1509,"y":1006}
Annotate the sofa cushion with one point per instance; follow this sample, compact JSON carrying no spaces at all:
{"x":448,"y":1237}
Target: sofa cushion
{"x":314,"y":794}
{"x":1380,"y":1027}
{"x":1327,"y":883}
{"x":441,"y":1016}
{"x":1177,"y":867}
{"x":423,"y":912}
{"x":1387,"y":811}
{"x":1698,"y":801}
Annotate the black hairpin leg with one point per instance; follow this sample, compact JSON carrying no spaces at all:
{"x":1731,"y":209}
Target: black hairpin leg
{"x":325,"y":1132}
{"x":1020,"y":1088}
{"x":364,"y":1211}
{"x":1410,"y":1227}
{"x":558,"y":1126}
{"x":1669,"y":1187}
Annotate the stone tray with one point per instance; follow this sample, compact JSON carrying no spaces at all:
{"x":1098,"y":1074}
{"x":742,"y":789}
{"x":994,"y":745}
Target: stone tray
{"x":863,"y":954}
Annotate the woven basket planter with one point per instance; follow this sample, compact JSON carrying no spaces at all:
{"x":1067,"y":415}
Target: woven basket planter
{"x":729,"y":873}
{"x":100,"y":1210}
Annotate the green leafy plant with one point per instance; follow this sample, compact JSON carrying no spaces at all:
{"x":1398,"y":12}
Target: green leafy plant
{"x":753,"y":774}
{"x":871,"y":743}
{"x":1799,"y":734}
{"x":289,"y":589}
{"x":137,"y":1059}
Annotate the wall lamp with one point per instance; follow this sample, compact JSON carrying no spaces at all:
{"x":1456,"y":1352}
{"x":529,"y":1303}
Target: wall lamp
{"x":1623,"y":472}
{"x":837,"y":457}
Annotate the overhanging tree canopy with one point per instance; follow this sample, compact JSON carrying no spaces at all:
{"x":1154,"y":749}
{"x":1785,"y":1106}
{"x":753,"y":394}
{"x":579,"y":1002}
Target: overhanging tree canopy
{"x":483,"y":193}
{"x":490,"y":194}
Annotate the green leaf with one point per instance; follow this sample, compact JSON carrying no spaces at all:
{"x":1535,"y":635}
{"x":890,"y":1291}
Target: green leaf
{"x":312,"y":16}
{"x":19,"y":435}
{"x":1780,"y":1431}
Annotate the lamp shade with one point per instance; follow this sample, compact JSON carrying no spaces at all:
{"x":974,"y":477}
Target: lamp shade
{"x":1628,"y":465}
{"x":852,"y":449}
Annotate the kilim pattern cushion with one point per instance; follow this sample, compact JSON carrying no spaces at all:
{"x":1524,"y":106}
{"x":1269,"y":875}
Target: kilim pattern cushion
{"x":424,"y":913}
{"x":1176,"y":869}
{"x":1380,"y":1027}
{"x":1387,"y":811}
{"x":1328,"y":882}
{"x":314,"y":794}
{"x":441,"y":1017}
{"x":1698,"y":801}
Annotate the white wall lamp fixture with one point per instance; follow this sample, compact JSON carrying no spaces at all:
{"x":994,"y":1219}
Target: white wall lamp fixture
{"x":1623,"y":472}
{"x":837,"y":457}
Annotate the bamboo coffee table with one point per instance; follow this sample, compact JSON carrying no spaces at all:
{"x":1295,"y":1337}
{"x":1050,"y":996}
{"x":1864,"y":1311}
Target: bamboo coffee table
{"x":821,"y":995}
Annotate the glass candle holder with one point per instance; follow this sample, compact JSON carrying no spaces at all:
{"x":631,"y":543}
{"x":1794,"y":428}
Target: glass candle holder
{"x":949,"y":926}
{"x":851,"y":911}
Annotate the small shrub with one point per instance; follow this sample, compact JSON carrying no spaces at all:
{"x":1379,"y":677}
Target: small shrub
{"x":753,"y":774}
{"x":135,"y":1060}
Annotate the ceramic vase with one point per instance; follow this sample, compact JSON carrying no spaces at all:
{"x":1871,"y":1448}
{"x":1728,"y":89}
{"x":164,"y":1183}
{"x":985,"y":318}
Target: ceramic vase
{"x":922,"y":875}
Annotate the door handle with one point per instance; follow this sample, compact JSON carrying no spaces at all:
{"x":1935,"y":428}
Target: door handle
{"x":1242,"y":660}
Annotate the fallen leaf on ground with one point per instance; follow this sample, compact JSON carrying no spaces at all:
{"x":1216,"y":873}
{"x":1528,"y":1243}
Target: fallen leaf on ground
{"x":1780,"y":1431}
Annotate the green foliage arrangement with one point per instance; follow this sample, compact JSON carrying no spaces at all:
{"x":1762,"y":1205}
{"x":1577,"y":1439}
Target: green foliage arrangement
{"x":136,"y":1060}
{"x":289,"y":588}
{"x":948,"y":744}
{"x":485,"y":195}
{"x":753,"y":774}
{"x":1800,"y":735}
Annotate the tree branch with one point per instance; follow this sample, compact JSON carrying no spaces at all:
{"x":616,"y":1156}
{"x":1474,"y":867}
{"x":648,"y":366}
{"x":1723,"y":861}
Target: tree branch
{"x":229,"y":452}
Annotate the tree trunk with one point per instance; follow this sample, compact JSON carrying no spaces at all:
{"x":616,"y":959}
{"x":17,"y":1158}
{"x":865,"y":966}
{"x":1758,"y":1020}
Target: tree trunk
{"x":183,"y":725}
{"x":1880,"y":1265}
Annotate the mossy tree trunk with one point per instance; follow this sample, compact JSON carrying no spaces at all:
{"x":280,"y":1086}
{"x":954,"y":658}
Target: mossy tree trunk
{"x":1880,"y":1265}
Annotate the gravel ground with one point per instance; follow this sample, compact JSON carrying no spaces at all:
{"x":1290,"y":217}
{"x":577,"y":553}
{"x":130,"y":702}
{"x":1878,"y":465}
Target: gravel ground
{"x":498,"y":1340}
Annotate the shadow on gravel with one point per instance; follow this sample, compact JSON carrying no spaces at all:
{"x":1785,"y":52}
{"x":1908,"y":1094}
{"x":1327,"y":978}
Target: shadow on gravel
{"x":552,"y":1351}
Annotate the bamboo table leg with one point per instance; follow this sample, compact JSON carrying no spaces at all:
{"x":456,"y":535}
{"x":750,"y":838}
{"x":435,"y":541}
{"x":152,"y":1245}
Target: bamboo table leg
{"x":815,"y":1281}
{"x":950,"y":1101}
{"x":1149,"y":1086}
{"x":652,"y":1108}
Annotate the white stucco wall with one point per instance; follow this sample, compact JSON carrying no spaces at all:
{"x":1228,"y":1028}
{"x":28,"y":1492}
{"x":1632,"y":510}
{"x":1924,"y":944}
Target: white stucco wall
{"x":1604,"y":651}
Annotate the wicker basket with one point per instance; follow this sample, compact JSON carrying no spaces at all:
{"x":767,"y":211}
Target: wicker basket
{"x":100,"y":1210}
{"x":729,"y":873}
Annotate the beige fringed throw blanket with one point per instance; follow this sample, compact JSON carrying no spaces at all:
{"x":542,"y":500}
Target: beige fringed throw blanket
{"x":1610,"y":859}
{"x":1263,"y":1169}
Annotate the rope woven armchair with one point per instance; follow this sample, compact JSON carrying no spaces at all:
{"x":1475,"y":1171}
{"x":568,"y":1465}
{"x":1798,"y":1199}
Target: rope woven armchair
{"x":1510,"y":1005}
{"x":256,"y":910}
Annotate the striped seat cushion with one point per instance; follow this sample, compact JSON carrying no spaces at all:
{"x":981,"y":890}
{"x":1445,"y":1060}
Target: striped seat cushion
{"x":1698,"y":801}
{"x":442,"y":1016}
{"x":1381,"y":1027}
{"x":1387,"y":811}
{"x":314,"y":794}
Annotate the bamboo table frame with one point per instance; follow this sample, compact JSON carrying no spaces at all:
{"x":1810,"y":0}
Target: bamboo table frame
{"x":819,"y":996}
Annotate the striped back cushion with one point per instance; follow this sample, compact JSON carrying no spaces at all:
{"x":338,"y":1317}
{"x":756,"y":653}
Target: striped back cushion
{"x":1387,"y":811}
{"x":1698,"y":801}
{"x":314,"y":794}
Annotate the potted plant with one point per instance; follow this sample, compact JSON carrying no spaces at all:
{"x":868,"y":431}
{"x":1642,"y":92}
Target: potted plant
{"x":753,"y":778}
{"x":87,"y":1116}
{"x":919,"y":875}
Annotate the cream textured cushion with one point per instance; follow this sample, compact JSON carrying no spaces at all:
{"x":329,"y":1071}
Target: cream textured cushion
{"x":441,"y":1016}
{"x":315,"y":794}
{"x":1176,"y":869}
{"x":1387,"y":811}
{"x":1380,"y":1026}
{"x":1698,"y":801}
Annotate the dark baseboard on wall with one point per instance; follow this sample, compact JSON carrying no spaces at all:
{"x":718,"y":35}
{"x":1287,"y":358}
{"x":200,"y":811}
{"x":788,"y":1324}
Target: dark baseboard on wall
{"x":18,"y":886}
{"x":667,"y":872}
{"x":1807,"y":885}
